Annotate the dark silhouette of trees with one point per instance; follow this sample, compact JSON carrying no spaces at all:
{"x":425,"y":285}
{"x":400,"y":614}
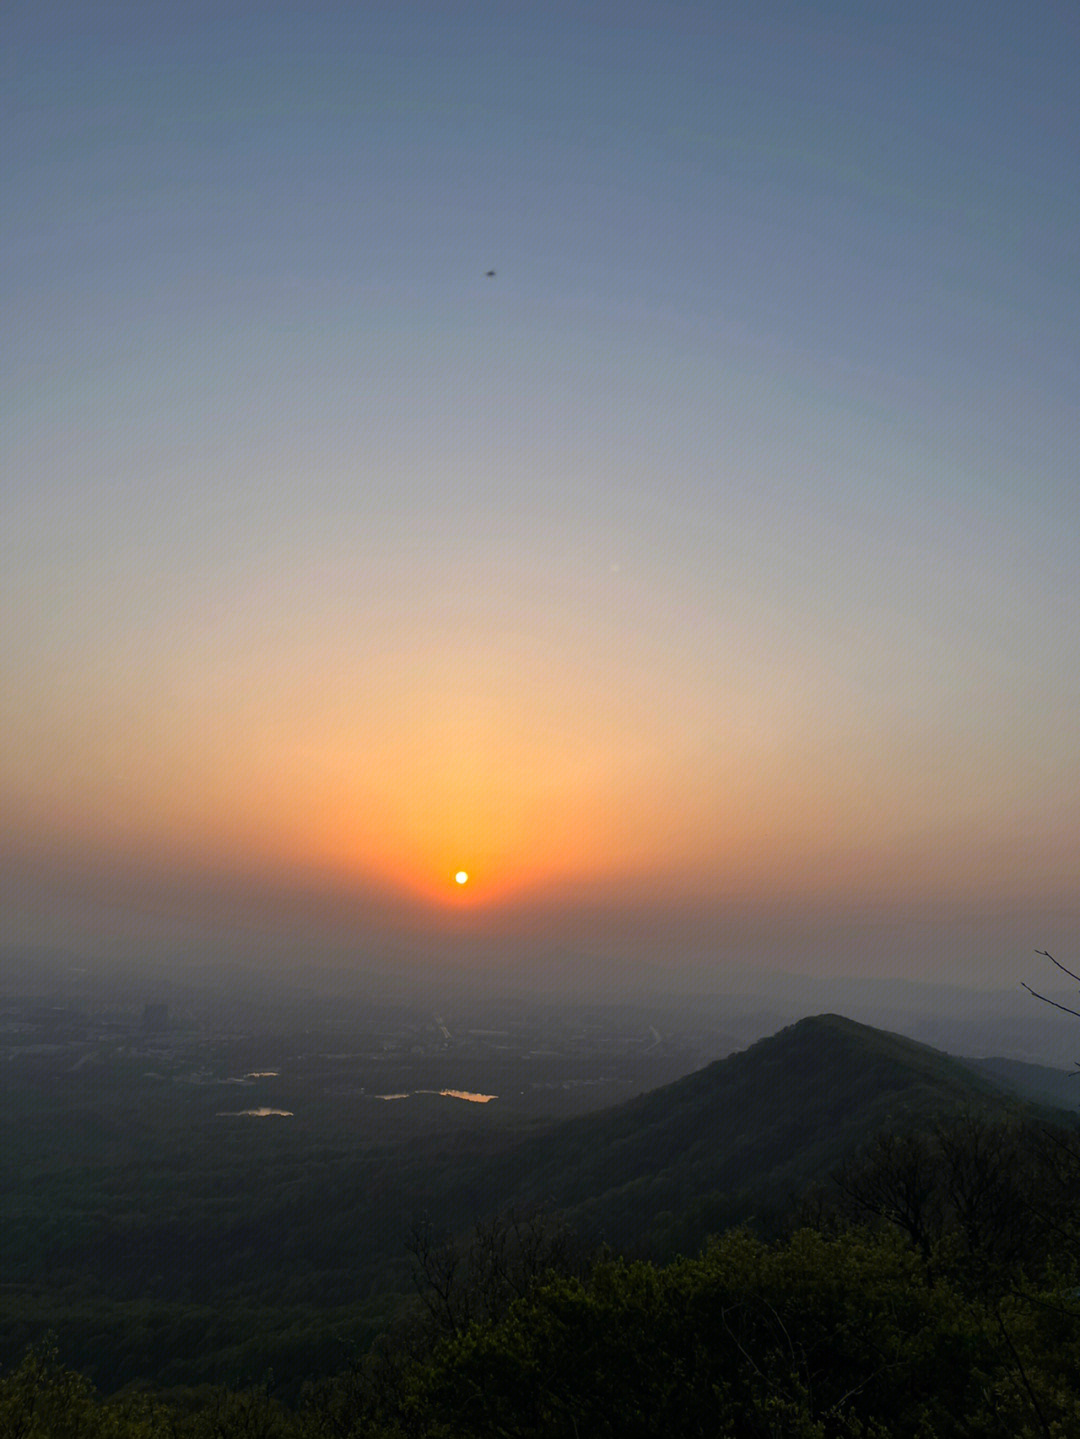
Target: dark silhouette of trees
{"x":989,"y":1199}
{"x":464,"y":1282}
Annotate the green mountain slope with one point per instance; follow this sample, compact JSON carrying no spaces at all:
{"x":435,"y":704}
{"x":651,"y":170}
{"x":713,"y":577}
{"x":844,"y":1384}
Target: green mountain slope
{"x":746,"y":1132}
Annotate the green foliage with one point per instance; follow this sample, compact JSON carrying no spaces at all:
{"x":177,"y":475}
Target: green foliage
{"x":851,"y":1335}
{"x":817,"y":1337}
{"x":41,"y":1399}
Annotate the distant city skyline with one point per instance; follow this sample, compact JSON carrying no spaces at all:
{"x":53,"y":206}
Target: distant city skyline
{"x":625,"y":454}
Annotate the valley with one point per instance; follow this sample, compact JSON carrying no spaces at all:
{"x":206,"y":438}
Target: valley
{"x":208,"y":1203}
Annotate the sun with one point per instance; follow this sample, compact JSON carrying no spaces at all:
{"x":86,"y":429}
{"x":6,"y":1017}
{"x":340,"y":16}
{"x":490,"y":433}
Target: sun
{"x":461,"y":877}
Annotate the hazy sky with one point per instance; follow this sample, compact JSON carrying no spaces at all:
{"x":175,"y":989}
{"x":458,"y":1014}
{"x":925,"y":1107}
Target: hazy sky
{"x":705,"y":584}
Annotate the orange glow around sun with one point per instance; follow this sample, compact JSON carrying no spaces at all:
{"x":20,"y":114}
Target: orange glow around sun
{"x":463,"y":790}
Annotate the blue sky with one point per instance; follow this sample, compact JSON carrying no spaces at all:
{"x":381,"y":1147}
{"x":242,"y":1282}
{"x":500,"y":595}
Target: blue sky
{"x":728,"y":536}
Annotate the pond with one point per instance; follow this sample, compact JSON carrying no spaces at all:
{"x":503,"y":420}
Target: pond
{"x":261,"y":1113}
{"x":466,"y":1094}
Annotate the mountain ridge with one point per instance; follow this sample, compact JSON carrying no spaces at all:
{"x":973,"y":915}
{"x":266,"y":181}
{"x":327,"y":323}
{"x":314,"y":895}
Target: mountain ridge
{"x":753,"y":1129}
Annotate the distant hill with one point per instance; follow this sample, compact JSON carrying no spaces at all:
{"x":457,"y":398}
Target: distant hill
{"x":748,"y":1132}
{"x":1058,"y":1088}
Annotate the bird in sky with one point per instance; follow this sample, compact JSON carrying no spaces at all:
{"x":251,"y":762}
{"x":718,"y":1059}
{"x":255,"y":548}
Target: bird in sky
{"x":489,"y":274}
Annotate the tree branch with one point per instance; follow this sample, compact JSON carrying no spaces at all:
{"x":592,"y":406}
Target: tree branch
{"x":1047,"y":955}
{"x":1035,"y":992}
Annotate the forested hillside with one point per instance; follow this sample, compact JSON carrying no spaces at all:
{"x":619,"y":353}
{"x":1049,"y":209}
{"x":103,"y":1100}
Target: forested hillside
{"x":743,"y":1136}
{"x":285,"y":1250}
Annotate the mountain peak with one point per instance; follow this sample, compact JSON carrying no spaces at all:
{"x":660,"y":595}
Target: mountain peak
{"x":761,"y":1124}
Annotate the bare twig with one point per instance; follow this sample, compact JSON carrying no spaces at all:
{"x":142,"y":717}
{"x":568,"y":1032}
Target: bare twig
{"x":1047,"y":955}
{"x":735,"y":1340}
{"x":858,"y":1388}
{"x":1023,"y":1374}
{"x":1053,"y":1002}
